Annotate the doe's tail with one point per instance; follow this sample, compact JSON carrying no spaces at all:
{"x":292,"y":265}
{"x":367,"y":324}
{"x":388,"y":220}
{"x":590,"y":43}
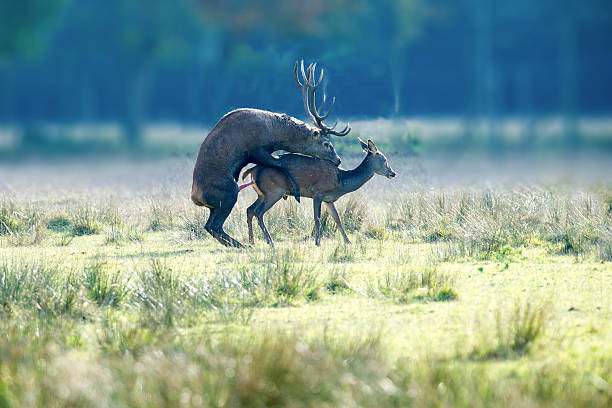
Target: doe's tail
{"x":244,"y":175}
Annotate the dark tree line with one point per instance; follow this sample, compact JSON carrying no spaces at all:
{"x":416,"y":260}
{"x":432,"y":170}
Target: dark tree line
{"x":130,"y":61}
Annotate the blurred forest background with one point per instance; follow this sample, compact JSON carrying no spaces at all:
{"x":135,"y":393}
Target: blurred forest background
{"x":77,"y":75}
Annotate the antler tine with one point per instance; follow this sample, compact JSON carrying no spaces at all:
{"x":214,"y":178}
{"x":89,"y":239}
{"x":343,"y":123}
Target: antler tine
{"x":322,"y":103}
{"x":311,"y":71}
{"x":331,"y":106}
{"x":308,"y":86}
{"x":341,"y":133}
{"x":304,"y":86}
{"x":316,"y":84}
{"x":306,"y":74}
{"x":295,"y":75}
{"x":316,"y":112}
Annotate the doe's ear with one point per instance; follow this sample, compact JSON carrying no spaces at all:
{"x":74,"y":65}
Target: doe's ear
{"x":371,"y":146}
{"x":363,"y":144}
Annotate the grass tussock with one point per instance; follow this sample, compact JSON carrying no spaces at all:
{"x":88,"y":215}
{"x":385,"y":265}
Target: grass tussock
{"x":142,"y":368}
{"x":481,"y":224}
{"x":516,"y":332}
{"x":118,"y":234}
{"x":103,"y":287}
{"x":85,"y":221}
{"x":161,"y":217}
{"x":193,"y":224}
{"x":278,"y":283}
{"x":22,"y":225}
{"x":37,"y":288}
{"x":161,"y":295}
{"x":424,"y":283}
{"x":336,"y":281}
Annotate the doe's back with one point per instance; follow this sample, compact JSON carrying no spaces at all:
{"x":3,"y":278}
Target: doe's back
{"x":314,"y":176}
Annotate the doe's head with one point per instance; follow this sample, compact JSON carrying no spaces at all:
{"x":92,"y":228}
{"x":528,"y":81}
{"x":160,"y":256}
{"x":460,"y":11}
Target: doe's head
{"x":378,"y":161}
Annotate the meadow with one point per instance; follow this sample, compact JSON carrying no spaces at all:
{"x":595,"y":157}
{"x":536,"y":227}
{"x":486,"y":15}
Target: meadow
{"x":463,"y":287}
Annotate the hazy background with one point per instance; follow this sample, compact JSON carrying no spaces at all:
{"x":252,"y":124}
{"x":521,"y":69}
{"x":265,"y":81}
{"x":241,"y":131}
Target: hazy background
{"x":424,"y":78}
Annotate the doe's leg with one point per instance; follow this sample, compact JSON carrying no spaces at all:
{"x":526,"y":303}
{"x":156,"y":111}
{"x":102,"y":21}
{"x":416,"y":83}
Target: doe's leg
{"x":261,"y":209}
{"x":260,"y":156}
{"x":332,"y":210}
{"x":250,"y":215}
{"x":316,"y":203}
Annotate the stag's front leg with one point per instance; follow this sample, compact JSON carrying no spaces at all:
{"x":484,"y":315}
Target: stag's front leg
{"x":260,"y":156}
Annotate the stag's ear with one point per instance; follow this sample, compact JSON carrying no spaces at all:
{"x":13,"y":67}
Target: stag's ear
{"x":371,"y":146}
{"x":363,"y":144}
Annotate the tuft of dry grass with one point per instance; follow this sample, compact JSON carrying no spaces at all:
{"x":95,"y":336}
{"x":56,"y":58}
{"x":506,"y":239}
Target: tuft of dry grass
{"x":516,"y":332}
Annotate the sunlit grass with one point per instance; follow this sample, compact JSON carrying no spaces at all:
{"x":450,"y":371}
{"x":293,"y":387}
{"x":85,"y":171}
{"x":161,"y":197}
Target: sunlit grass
{"x":462,"y":297}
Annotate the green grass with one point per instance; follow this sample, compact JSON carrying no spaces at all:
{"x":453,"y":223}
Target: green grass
{"x":460,"y":297}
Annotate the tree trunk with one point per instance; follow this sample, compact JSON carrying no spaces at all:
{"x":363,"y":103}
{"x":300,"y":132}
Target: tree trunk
{"x":567,"y":80}
{"x":397,"y":65}
{"x":137,"y":92}
{"x":523,"y":83}
{"x":485,"y":81}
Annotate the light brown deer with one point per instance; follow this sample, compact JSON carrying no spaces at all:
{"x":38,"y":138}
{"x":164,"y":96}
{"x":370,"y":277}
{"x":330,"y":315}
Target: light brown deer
{"x":318,"y":179}
{"x":250,"y":136}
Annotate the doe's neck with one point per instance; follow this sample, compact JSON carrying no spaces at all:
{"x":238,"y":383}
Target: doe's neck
{"x":352,"y":180}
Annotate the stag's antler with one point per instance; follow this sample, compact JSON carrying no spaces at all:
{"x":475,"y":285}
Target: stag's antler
{"x":308,"y":85}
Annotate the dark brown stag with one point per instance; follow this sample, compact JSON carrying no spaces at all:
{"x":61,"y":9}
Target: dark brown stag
{"x":318,"y":179}
{"x":251,"y":136}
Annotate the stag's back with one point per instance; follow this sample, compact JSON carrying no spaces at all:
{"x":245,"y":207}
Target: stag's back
{"x":233,"y":136}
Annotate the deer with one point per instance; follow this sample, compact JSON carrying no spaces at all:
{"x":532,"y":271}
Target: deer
{"x":249,"y":135}
{"x":321,"y":180}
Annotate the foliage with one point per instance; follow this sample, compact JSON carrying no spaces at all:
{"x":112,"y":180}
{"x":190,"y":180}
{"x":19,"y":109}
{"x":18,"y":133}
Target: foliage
{"x":23,"y":25}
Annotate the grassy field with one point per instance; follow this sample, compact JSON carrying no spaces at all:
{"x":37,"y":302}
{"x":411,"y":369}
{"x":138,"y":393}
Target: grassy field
{"x":452,"y":294}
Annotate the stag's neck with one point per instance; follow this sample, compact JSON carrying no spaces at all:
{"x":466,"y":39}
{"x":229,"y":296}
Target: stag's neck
{"x":351,"y":180}
{"x":287,"y":131}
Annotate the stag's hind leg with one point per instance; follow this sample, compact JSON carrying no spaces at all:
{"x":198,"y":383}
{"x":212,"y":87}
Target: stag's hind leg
{"x":221,"y":198}
{"x":214,"y":226}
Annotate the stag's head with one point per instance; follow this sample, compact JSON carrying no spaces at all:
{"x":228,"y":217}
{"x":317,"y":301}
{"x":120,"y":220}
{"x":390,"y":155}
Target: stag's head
{"x":318,"y":145}
{"x":322,"y":147}
{"x":378,"y":161}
